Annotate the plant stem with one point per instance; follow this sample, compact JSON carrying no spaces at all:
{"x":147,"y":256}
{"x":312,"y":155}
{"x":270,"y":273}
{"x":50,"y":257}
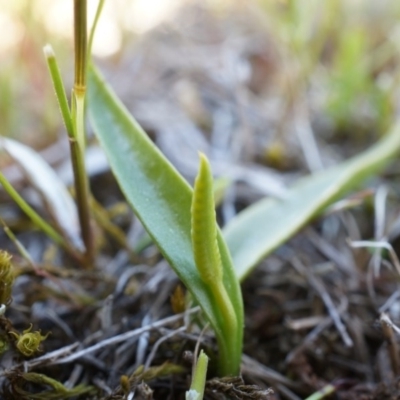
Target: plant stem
{"x":230,"y":347}
{"x":80,"y":37}
{"x":82,"y":196}
{"x":77,"y":143}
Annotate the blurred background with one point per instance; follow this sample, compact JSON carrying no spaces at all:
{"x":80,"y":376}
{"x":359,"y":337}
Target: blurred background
{"x":27,"y":104}
{"x":270,"y":81}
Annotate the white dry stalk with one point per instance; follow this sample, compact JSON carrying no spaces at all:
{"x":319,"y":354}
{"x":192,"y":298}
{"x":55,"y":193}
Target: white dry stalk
{"x":192,"y":395}
{"x":386,"y":319}
{"x":376,"y":245}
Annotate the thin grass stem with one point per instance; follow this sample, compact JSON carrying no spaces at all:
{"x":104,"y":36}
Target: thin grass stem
{"x":82,"y":195}
{"x":80,"y":37}
{"x":78,"y":143}
{"x":30,"y":212}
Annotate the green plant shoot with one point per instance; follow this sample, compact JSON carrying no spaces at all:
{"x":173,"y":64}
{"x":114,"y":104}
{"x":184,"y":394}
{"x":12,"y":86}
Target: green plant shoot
{"x":205,"y":246}
{"x":199,"y":375}
{"x":204,"y":229}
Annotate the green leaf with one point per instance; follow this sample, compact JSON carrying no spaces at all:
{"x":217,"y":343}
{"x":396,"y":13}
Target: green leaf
{"x":261,"y":228}
{"x":161,"y":199}
{"x":59,"y":88}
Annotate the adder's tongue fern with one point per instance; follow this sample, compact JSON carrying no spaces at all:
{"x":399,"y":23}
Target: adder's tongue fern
{"x":204,"y":228}
{"x":205,"y":246}
{"x":181,"y":222}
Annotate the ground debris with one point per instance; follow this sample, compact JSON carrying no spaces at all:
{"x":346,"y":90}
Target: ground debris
{"x":235,"y":388}
{"x":386,"y":391}
{"x":137,"y":381}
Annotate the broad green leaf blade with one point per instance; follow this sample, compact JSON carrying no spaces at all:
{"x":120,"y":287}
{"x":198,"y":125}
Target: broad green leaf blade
{"x":160,"y":197}
{"x":262,"y":227}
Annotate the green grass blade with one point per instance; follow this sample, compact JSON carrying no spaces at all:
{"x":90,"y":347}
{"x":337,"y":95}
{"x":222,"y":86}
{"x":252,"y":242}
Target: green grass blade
{"x":59,"y":88}
{"x":94,"y":25}
{"x":262,"y":227}
{"x":30,"y":212}
{"x":161,"y":198}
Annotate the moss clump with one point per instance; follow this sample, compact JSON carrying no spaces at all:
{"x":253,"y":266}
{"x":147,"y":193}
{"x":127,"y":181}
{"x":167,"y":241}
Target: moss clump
{"x":28,"y":342}
{"x":6,"y":277}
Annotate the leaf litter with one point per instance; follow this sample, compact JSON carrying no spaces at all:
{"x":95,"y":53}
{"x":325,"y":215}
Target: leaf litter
{"x":314,"y":308}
